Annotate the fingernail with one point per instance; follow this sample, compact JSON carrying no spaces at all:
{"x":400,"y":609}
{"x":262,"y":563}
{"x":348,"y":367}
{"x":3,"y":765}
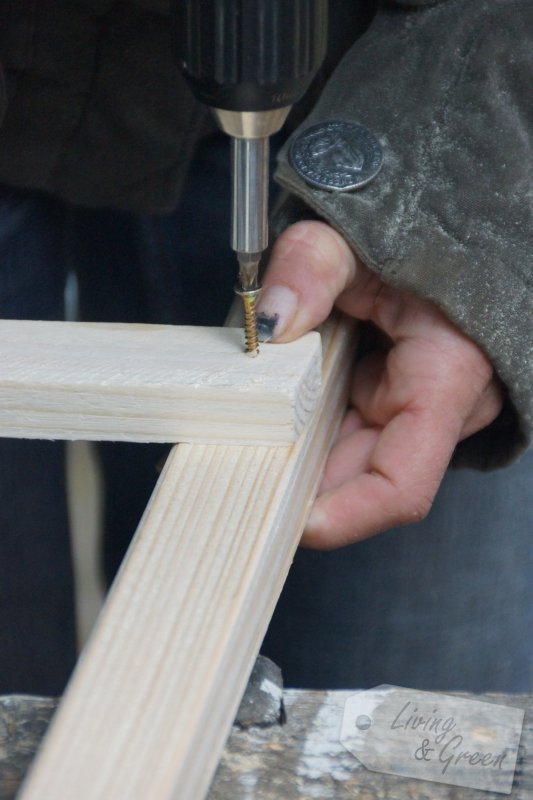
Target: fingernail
{"x":314,"y":530}
{"x":315,"y":521}
{"x":275,"y":311}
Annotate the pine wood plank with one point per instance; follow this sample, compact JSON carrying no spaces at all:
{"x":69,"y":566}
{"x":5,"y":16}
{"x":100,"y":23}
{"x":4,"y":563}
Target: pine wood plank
{"x":152,"y":383}
{"x":154,"y":695}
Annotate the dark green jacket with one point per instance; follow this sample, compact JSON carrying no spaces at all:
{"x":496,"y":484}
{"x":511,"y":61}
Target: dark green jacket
{"x":94,"y":110}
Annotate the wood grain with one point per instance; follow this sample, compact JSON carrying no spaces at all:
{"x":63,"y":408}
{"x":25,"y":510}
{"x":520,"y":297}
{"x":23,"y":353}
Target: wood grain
{"x":154,"y":695}
{"x":152,"y":383}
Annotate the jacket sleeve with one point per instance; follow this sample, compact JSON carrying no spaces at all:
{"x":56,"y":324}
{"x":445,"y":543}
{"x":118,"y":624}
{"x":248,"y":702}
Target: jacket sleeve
{"x":446,"y":88}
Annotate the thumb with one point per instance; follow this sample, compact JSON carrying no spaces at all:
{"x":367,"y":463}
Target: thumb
{"x":310,"y":265}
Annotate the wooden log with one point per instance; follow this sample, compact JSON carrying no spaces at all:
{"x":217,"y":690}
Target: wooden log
{"x":301,"y":759}
{"x":305,"y":759}
{"x":152,"y":383}
{"x":156,"y":690}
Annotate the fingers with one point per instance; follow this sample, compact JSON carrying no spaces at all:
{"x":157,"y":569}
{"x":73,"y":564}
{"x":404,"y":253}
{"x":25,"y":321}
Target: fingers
{"x":485,"y":411}
{"x":411,"y":410}
{"x":395,"y":486}
{"x":370,"y":392}
{"x":310,"y":265}
{"x":350,"y":454}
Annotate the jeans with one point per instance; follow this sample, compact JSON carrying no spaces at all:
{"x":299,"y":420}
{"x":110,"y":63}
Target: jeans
{"x":441,"y":605}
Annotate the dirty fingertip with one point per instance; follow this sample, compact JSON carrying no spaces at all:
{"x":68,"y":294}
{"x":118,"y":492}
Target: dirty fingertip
{"x":276,"y":310}
{"x":266,"y":325}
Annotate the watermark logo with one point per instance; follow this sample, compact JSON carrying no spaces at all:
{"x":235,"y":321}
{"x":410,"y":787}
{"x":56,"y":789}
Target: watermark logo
{"x":435,"y":737}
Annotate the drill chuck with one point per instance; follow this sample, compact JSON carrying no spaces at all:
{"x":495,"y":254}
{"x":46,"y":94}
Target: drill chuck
{"x":250,"y":55}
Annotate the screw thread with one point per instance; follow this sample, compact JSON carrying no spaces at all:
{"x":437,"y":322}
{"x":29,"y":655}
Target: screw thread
{"x":249,"y":298}
{"x":250,"y":326}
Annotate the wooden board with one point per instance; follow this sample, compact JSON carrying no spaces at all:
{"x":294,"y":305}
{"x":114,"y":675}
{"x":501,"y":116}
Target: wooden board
{"x":154,"y":695}
{"x":152,"y":383}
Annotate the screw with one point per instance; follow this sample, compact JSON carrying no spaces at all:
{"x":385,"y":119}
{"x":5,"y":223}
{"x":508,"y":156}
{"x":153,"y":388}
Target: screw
{"x":249,"y":298}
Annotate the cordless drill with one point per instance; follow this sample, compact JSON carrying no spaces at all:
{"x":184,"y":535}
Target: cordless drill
{"x":250,"y":60}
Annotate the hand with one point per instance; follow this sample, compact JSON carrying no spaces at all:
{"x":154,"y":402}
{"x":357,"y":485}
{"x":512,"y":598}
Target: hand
{"x":410,"y":403}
